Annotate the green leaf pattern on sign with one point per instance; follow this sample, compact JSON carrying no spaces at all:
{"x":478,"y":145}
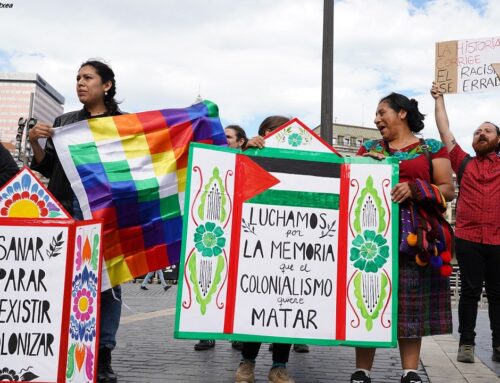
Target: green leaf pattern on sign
{"x":193,"y":276}
{"x":363,"y":202}
{"x":366,"y":313}
{"x":213,"y":190}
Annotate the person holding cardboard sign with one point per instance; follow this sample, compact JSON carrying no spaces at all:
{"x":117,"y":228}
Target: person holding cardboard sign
{"x":96,"y":88}
{"x":250,"y":350}
{"x":477,"y":227}
{"x":425,"y":182}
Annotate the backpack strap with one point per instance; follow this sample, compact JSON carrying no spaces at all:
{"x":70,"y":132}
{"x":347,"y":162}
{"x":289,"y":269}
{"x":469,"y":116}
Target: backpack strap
{"x":461,"y":169}
{"x":427,"y":154}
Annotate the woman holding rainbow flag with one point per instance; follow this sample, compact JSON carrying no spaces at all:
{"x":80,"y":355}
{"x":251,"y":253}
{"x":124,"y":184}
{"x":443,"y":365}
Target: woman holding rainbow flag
{"x":96,"y":89}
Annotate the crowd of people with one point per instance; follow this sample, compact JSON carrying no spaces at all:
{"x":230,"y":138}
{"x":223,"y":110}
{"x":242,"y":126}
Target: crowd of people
{"x":424,"y":300}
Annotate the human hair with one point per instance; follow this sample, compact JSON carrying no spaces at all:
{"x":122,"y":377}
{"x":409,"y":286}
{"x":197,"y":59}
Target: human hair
{"x":498,"y":132}
{"x":106,"y":74}
{"x":240,"y":133}
{"x":271,"y":123}
{"x":398,"y":101}
{"x":496,"y":126}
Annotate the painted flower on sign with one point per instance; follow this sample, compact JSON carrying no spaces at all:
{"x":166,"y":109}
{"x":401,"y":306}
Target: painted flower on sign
{"x":209,"y":240}
{"x":82,"y":305}
{"x":24,"y":199}
{"x":369,"y":252}
{"x":295,"y":139}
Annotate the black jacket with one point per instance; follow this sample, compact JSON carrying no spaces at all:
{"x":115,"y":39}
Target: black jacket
{"x":51,"y":167}
{"x":8,"y":167}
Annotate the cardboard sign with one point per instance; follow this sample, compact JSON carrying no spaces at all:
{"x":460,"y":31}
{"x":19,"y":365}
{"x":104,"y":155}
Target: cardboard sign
{"x":496,"y":67}
{"x":49,"y":287}
{"x":467,"y":65}
{"x":288,"y":246}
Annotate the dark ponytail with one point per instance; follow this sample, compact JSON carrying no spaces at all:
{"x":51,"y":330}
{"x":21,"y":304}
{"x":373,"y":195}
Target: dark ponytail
{"x":398,"y":101}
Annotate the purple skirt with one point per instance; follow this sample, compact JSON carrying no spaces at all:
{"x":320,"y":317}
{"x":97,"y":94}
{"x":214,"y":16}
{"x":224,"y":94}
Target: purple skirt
{"x":424,"y":300}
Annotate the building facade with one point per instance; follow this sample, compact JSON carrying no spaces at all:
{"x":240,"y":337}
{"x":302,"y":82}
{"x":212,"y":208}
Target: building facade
{"x":26,"y":95}
{"x":348,"y":138}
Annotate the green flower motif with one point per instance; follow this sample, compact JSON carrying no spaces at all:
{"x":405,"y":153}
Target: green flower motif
{"x":294,"y":139}
{"x":209,"y":240}
{"x":369,"y":252}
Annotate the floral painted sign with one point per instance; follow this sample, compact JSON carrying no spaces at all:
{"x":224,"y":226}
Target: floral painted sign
{"x":49,"y":278}
{"x":296,"y":135}
{"x":25,"y":197}
{"x":84,"y":305}
{"x":288,"y":246}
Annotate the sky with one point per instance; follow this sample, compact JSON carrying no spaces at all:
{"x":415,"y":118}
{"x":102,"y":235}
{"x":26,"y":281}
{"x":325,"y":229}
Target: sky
{"x":254,"y":58}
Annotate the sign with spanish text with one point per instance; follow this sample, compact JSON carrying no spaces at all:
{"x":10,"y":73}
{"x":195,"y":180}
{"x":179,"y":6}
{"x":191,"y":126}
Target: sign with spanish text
{"x":49,"y":287}
{"x":467,"y":65}
{"x":288,"y":246}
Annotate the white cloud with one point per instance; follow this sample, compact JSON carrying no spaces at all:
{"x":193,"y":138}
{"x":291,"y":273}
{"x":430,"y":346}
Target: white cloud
{"x":252,"y":57}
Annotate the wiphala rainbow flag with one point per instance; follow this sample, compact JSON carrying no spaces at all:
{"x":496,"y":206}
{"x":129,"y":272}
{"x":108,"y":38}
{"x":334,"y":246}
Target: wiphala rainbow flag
{"x":130,"y":170}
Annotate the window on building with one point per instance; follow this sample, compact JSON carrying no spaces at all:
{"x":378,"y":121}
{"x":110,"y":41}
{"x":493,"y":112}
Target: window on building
{"x":347,"y":141}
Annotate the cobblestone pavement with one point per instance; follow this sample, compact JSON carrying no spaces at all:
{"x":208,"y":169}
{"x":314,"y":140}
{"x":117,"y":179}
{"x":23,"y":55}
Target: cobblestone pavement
{"x":147,"y":352}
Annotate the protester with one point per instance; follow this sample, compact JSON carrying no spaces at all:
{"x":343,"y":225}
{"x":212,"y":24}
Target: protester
{"x":236,"y":139}
{"x":281,"y":352}
{"x":424,"y":294}
{"x":96,"y":89}
{"x":8,"y":167}
{"x":477,"y":227}
{"x":150,"y":275}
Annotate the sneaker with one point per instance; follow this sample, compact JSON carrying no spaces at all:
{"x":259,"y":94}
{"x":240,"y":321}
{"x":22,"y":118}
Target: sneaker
{"x":203,"y":345}
{"x":144,"y":287}
{"x":360,"y":377}
{"x":237,"y":345}
{"x":496,"y":354}
{"x":166,"y":287}
{"x":301,"y":348}
{"x":411,"y":377}
{"x":466,"y":353}
{"x":105,"y":373}
{"x":279,"y":375}
{"x":245,"y":373}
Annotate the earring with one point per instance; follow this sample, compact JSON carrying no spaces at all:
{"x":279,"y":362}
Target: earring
{"x":105,"y":93}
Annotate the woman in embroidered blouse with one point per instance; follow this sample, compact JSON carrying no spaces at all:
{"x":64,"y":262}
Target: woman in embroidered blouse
{"x":422,"y":310}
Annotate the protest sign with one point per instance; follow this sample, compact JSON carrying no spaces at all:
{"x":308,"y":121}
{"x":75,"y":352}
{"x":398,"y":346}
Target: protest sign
{"x":288,"y":246}
{"x":298,"y":136}
{"x":49,"y":284}
{"x":496,"y":67}
{"x":467,"y":65}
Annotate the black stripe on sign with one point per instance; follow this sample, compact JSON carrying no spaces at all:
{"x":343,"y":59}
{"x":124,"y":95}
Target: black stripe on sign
{"x":309,"y":168}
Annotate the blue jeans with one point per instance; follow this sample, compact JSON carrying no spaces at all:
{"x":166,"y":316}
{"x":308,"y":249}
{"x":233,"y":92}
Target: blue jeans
{"x":111,"y":306}
{"x":151,"y":274}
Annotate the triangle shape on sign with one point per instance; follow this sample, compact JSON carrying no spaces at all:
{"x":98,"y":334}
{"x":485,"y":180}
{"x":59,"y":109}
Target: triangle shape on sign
{"x":24,"y":196}
{"x":251,"y":179}
{"x":296,"y":135}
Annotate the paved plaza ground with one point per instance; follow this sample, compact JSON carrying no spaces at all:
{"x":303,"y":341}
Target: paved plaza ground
{"x":147,"y":351}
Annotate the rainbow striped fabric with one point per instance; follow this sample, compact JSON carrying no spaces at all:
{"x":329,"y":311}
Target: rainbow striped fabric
{"x":130,"y":171}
